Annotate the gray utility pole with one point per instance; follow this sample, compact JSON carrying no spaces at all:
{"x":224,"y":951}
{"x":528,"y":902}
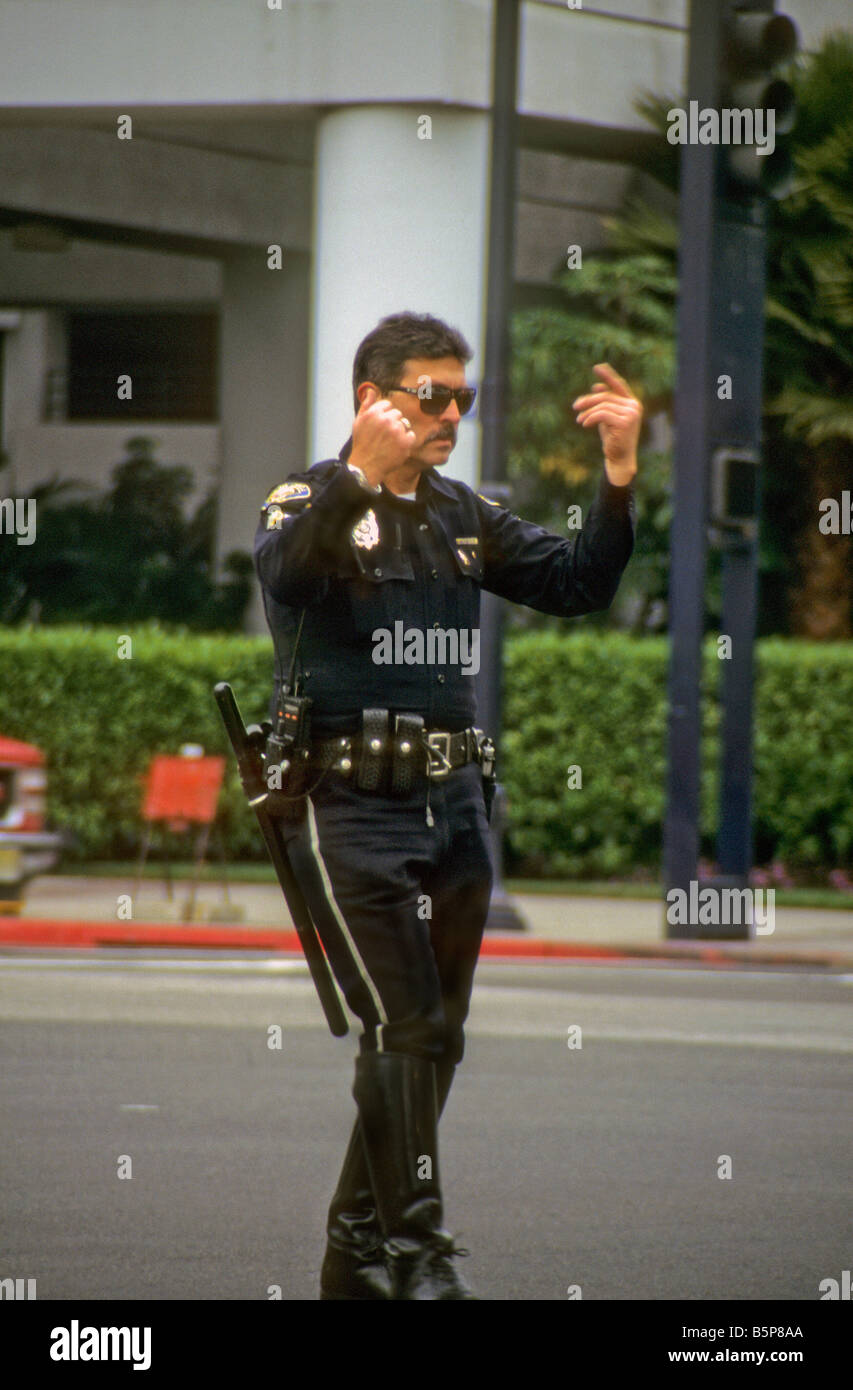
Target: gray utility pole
{"x":503,"y":915}
{"x":722,"y":253}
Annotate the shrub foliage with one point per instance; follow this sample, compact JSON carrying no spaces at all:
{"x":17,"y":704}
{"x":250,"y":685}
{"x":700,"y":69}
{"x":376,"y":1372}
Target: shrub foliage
{"x":589,"y":699}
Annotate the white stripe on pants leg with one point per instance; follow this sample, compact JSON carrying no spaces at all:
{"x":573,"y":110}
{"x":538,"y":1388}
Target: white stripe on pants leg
{"x":339,"y":918}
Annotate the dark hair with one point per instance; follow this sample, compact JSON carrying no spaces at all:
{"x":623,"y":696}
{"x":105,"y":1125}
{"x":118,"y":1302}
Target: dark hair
{"x":381,"y":356}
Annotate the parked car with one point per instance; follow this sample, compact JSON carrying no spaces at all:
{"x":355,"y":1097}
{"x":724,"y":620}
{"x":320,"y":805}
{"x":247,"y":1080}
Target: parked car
{"x":26,"y":847}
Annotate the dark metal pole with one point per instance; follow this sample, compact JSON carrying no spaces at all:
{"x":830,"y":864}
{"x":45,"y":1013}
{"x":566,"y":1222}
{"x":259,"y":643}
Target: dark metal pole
{"x":740,"y":273}
{"x":740,"y":593}
{"x":501,"y":250}
{"x":692,"y":425}
{"x":503,"y":915}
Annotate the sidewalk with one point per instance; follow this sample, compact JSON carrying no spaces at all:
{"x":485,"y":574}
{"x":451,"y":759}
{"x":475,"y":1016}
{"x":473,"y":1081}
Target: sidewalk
{"x":85,"y":912}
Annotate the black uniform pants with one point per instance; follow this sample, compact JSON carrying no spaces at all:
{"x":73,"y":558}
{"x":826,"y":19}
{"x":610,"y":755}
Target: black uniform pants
{"x":399,"y":905}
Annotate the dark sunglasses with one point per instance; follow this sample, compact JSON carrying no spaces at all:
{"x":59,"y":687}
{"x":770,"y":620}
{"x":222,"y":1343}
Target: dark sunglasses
{"x":439,"y":400}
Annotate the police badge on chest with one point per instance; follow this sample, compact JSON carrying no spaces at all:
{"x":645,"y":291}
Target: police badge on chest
{"x":365,"y":533}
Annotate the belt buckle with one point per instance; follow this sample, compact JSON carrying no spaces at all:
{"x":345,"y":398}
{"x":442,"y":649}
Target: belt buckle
{"x":444,"y":767}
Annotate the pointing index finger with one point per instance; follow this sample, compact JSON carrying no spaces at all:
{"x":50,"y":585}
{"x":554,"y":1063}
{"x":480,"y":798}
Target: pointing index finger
{"x":613,"y":379}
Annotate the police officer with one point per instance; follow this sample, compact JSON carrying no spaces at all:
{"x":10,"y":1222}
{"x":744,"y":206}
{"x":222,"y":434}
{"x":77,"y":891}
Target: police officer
{"x":371,"y":566}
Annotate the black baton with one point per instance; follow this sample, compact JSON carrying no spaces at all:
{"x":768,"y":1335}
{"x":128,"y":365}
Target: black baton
{"x":251,"y":776}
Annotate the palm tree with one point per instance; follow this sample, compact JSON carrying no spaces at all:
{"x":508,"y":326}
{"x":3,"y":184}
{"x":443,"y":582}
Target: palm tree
{"x":810,"y":342}
{"x":621,"y":306}
{"x":618,"y":308}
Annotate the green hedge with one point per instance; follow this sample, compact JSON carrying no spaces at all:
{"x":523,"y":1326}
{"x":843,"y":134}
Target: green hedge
{"x":593,"y":700}
{"x":598,"y":700}
{"x":587,"y":697}
{"x":100,"y":718}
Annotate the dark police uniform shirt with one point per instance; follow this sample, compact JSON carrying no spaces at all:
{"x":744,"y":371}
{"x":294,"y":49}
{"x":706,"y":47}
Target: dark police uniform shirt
{"x":360,"y":562}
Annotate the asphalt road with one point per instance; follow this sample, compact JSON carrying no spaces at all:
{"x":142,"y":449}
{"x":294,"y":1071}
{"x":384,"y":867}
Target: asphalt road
{"x":594,"y":1166}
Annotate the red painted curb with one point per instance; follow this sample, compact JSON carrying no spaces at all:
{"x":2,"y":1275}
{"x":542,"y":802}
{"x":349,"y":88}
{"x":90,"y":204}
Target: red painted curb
{"x":38,"y":931}
{"x":51,"y":931}
{"x":735,"y":953}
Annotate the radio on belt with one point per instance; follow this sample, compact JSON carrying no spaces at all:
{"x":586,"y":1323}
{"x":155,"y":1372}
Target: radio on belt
{"x":295,"y":719}
{"x":292,"y":731}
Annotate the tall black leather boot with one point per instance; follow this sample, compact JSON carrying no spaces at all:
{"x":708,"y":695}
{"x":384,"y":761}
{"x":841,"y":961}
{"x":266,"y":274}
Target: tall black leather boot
{"x":398,"y":1109}
{"x":354,"y":1265}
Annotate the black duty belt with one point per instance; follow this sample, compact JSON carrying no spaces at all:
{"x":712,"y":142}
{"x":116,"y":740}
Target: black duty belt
{"x":392,"y":749}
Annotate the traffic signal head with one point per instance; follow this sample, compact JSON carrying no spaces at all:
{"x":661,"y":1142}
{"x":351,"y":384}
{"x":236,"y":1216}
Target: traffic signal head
{"x":756,"y":159}
{"x":734,"y":494}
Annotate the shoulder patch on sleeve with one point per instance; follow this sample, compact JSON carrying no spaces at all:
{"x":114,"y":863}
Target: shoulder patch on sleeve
{"x":488,"y":499}
{"x":288,"y":492}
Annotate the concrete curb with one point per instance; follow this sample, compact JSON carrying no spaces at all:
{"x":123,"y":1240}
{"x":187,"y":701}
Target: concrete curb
{"x":53,"y":932}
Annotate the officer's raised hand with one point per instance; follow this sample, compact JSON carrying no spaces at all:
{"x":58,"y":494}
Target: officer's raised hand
{"x":614,"y":408}
{"x":382,"y":437}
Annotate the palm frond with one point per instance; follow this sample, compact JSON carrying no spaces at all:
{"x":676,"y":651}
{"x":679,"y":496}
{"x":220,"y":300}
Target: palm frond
{"x":812,"y":418}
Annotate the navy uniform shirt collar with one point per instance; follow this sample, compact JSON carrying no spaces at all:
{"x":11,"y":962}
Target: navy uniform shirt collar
{"x":429,"y":481}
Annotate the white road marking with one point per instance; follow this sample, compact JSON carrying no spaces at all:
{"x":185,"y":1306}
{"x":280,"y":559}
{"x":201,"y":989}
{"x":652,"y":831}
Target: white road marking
{"x":189,"y":998}
{"x":237,"y":965}
{"x":732,"y":969}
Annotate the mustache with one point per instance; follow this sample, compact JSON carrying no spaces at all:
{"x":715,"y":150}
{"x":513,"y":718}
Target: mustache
{"x":445,"y":434}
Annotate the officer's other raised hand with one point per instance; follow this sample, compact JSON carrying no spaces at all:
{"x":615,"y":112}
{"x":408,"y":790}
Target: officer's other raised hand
{"x":382,"y":437}
{"x":614,"y":408}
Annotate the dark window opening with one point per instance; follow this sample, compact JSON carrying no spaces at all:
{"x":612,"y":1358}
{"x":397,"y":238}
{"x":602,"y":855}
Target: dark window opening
{"x":171,"y":359}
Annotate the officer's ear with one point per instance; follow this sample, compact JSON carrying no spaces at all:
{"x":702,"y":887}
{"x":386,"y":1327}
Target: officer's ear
{"x":369,"y":396}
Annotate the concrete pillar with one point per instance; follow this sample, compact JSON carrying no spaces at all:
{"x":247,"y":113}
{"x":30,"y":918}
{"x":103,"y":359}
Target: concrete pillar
{"x":400,"y":224}
{"x":33,"y":344}
{"x":263,"y":393}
